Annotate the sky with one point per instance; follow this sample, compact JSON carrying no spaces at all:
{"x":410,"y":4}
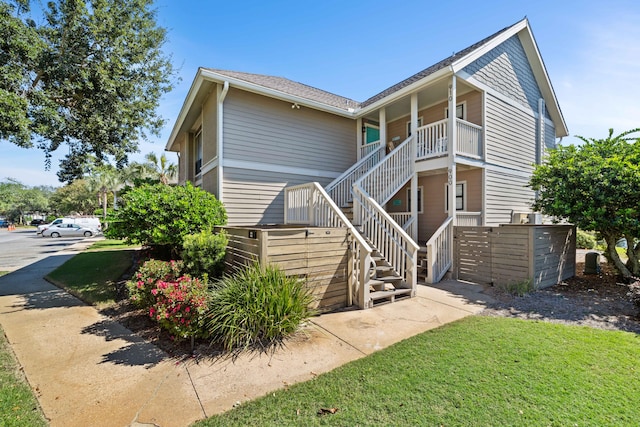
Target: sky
{"x":354,"y":48}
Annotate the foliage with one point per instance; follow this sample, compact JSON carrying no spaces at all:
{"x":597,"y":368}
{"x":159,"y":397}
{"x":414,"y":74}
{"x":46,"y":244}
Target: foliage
{"x":157,"y":169}
{"x":595,"y":186}
{"x":74,"y":198}
{"x":203,"y":253}
{"x":92,"y":276}
{"x":181,"y":306}
{"x":161,"y":215}
{"x":585,"y":240}
{"x":149,"y":273}
{"x":517,"y":288}
{"x":480,"y":371}
{"x":18,"y":405}
{"x":90,"y":75}
{"x":258,"y":306}
{"x":17,"y":199}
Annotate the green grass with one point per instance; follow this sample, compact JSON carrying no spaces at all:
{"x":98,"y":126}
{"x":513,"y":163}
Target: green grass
{"x":111,"y":244}
{"x":480,"y":371}
{"x":2,"y":273}
{"x":18,"y":405}
{"x":91,"y":275}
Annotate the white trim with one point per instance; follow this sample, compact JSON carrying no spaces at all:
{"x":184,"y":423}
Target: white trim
{"x":267,"y":167}
{"x":464,"y":196}
{"x":222,"y":94}
{"x":464,"y":110}
{"x":420,"y":199}
{"x":408,"y":125}
{"x":210,"y":165}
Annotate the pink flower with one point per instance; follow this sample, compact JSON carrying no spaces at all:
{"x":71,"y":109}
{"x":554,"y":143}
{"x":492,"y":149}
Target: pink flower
{"x":187,"y":309}
{"x":154,"y":291}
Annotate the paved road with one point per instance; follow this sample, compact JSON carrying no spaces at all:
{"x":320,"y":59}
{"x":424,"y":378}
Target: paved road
{"x":22,"y":247}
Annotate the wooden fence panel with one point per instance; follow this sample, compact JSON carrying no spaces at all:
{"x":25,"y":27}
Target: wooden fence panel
{"x":472,"y":246}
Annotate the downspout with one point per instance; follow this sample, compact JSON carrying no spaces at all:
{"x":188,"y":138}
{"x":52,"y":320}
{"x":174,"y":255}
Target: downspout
{"x":222,"y":94}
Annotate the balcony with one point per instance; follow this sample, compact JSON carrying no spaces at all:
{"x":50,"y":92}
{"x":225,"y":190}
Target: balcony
{"x":432,"y":140}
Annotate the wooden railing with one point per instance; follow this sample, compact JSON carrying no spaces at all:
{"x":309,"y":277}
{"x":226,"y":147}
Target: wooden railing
{"x":311,"y":205}
{"x":366,"y":149}
{"x":401,"y":218}
{"x":439,"y":252}
{"x":432,"y":140}
{"x":375,"y":188}
{"x":340,"y":188}
{"x":389,"y":175}
{"x":468,"y":219}
{"x":469,"y":136}
{"x":388,"y":237}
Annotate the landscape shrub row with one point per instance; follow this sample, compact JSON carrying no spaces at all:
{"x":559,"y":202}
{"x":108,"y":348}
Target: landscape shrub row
{"x":255,"y":307}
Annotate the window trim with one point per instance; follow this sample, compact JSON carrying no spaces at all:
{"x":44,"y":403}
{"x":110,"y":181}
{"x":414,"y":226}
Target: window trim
{"x":420,"y":199}
{"x":463,"y":196}
{"x":408,"y":126}
{"x":198,"y":151}
{"x":462,"y":104}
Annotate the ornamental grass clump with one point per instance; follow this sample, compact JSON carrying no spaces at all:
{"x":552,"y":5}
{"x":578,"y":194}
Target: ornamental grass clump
{"x":257,"y":307}
{"x":181,"y":307}
{"x":144,"y":281}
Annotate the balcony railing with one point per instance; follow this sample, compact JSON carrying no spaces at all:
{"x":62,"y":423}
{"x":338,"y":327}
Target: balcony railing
{"x":468,"y":219}
{"x":432,"y":140}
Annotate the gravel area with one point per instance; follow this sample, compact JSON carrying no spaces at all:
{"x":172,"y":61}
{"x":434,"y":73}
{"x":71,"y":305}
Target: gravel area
{"x":598,"y":301}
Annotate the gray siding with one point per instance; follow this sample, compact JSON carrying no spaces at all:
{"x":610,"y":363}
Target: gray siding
{"x":506,"y":69}
{"x":506,"y":193}
{"x":510,"y":135}
{"x":257,"y":197}
{"x":549,"y":136}
{"x":265,"y":130}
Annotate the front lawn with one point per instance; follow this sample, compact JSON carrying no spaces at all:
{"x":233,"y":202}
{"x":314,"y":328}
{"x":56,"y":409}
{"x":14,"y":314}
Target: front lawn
{"x":18,"y":405}
{"x":481,"y":371}
{"x":91,"y":276}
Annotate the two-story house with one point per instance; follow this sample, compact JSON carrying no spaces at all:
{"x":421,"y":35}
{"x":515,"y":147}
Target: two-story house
{"x":454,"y":144}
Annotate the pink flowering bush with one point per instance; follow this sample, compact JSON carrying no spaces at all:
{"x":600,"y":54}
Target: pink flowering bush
{"x":180,"y":306}
{"x":143,"y":283}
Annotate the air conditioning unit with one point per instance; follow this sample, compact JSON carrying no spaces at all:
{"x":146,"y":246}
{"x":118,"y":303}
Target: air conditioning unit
{"x":535,"y":218}
{"x":519,"y":217}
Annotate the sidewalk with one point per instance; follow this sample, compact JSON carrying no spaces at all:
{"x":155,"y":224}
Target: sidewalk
{"x":87,"y":370}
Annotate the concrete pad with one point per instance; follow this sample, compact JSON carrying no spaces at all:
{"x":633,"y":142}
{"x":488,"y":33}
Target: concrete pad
{"x":221,"y":383}
{"x":463,"y":296}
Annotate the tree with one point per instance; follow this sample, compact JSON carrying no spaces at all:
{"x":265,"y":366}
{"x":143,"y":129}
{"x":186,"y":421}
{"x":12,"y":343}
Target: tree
{"x":156,"y":168}
{"x":74,"y":198}
{"x":91,"y":77}
{"x":162,"y":215}
{"x":595,"y":186}
{"x":103,"y":181}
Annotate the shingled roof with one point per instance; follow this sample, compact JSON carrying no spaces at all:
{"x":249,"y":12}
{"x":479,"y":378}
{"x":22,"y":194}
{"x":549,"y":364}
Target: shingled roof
{"x":290,"y":87}
{"x":432,"y":69}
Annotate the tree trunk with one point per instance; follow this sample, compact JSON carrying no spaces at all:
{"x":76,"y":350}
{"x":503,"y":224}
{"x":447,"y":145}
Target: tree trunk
{"x":104,"y":205}
{"x":632,"y":263}
{"x":613,"y":257}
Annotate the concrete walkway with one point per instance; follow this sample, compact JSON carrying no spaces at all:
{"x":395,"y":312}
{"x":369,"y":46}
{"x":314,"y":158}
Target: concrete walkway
{"x":87,"y":370}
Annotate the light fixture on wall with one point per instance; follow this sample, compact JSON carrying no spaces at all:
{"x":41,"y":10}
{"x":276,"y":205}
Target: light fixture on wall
{"x":295,"y":106}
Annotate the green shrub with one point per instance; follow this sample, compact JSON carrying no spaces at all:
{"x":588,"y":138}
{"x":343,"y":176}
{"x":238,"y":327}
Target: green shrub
{"x":258,"y":306}
{"x":148,"y":275}
{"x":203,"y":253}
{"x":181,"y":307}
{"x":585,"y":240}
{"x":517,"y":288}
{"x":161,"y":215}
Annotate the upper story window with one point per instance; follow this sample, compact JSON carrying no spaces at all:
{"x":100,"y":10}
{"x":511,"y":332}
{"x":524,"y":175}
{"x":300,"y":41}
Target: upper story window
{"x":461,"y":111}
{"x":197,"y":143}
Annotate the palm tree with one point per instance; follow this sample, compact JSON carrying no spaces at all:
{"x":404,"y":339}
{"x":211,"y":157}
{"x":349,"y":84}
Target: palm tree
{"x":160,"y":168}
{"x":105,"y":180}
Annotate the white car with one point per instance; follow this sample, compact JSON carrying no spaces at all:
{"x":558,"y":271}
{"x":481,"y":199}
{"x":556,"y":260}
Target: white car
{"x":69,"y":230}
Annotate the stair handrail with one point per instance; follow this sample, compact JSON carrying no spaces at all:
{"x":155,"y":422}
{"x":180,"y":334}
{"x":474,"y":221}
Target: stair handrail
{"x":438,"y":252}
{"x":340,"y":188}
{"x":321,"y":211}
{"x":400,"y":160}
{"x":388,"y":237}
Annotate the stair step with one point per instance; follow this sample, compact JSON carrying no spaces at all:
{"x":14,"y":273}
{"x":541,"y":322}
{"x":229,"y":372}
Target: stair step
{"x":375,"y":296}
{"x":389,"y":279}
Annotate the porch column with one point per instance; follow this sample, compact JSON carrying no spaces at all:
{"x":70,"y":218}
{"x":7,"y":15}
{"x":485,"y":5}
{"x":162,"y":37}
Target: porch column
{"x":414,"y":113}
{"x":358,"y":137}
{"x":414,"y":206}
{"x":382,"y":119}
{"x":451,"y":163}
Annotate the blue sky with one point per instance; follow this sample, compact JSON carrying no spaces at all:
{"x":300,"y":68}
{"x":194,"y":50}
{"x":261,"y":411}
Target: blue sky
{"x":357,"y":48}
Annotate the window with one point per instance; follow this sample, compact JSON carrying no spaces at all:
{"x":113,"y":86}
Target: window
{"x":461,"y":196}
{"x":420,"y":210}
{"x":461,"y":111}
{"x":409,"y":126}
{"x":197,"y":142}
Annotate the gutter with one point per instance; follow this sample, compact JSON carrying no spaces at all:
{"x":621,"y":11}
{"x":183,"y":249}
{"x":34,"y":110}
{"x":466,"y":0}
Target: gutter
{"x":222,"y":94}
